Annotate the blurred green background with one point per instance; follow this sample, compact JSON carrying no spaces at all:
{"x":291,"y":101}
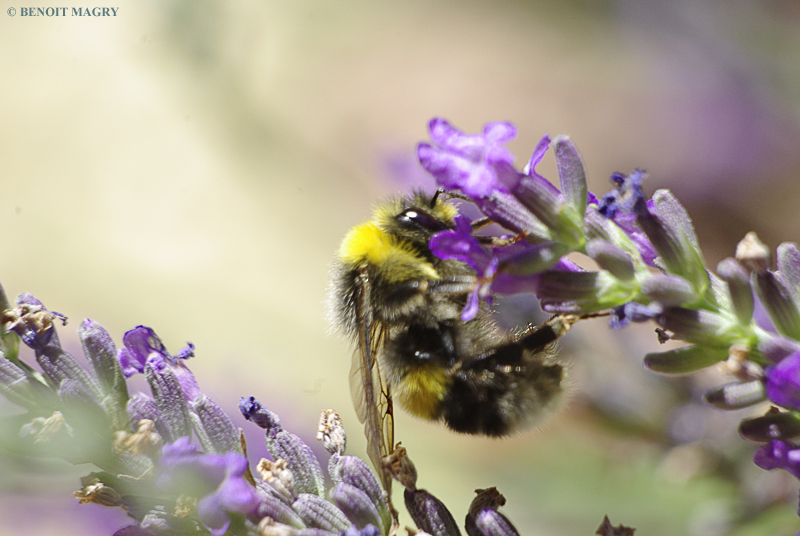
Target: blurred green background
{"x":192,"y":166}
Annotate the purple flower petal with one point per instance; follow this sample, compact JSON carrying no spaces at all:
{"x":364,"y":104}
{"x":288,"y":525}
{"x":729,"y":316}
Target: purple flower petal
{"x":538,"y":154}
{"x":217,"y":479}
{"x":213,"y":516}
{"x":633,"y":312}
{"x":236,"y":494}
{"x":472,"y":307}
{"x":139,"y":343}
{"x":477,"y":165}
{"x":779,"y":455}
{"x":460,"y":244}
{"x":782,"y":382}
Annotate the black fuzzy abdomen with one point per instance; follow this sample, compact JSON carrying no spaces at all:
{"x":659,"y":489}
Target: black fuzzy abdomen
{"x":498,"y":402}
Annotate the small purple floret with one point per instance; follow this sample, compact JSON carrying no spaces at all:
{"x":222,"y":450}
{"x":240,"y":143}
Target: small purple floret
{"x":633,"y":312}
{"x":139,"y":343}
{"x":620,"y":205}
{"x":782,"y":382}
{"x":460,"y":244}
{"x":537,"y":156}
{"x":217,"y":478}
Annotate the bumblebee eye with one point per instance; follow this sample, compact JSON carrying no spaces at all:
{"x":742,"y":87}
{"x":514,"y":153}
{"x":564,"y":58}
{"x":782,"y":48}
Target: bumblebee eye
{"x":419,"y":219}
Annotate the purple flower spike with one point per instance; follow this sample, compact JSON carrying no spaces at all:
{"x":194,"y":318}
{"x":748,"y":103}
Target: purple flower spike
{"x":476,"y":164}
{"x":782,"y":382}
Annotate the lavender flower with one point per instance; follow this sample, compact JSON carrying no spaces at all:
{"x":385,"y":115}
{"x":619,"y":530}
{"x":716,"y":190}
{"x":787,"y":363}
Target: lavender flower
{"x":172,"y":459}
{"x":476,"y":164}
{"x":219,"y":481}
{"x":481,"y":168}
{"x":651,"y":267}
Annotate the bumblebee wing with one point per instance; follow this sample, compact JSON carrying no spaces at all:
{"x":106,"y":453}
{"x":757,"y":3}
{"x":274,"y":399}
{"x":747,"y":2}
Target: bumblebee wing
{"x":371,"y":395}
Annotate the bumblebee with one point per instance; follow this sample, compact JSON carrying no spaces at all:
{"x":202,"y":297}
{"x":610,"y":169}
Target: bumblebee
{"x":402,"y":305}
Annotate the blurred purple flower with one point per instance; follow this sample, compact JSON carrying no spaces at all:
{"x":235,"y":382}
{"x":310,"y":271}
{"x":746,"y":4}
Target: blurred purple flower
{"x":778,"y":454}
{"x":216,"y":479}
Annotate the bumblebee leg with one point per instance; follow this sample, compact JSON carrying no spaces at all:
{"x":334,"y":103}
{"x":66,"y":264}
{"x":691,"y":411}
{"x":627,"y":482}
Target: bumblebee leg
{"x":539,"y":337}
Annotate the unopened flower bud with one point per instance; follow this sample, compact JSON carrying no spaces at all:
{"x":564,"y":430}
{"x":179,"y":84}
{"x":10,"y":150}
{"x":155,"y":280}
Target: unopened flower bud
{"x":217,"y":427}
{"x":281,"y":444}
{"x":571,"y":174}
{"x":684,"y":360}
{"x":168,"y":397}
{"x":668,"y":290}
{"x":430,"y":514}
{"x":316,"y":512}
{"x":779,"y":303}
{"x":774,"y":425}
{"x":356,"y":505}
{"x":277,"y":510}
{"x":736,"y":395}
{"x":788,"y":260}
{"x":700,"y":326}
{"x":611,"y":258}
{"x":739,"y":289}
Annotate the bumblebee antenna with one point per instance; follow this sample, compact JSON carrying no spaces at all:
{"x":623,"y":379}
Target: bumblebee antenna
{"x":448,"y":194}
{"x":440,"y":191}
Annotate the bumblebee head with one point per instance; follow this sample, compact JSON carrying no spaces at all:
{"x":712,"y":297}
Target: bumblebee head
{"x":398,"y":235}
{"x":415,"y":219}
